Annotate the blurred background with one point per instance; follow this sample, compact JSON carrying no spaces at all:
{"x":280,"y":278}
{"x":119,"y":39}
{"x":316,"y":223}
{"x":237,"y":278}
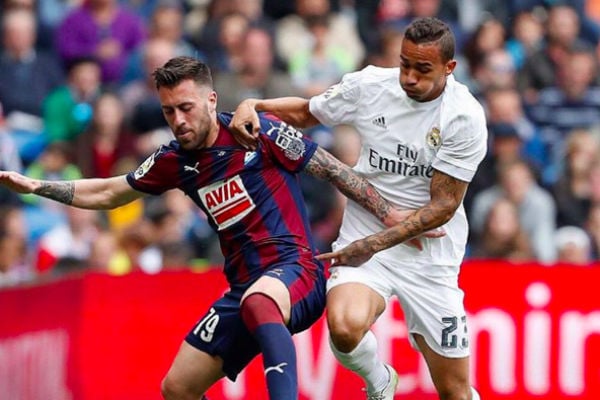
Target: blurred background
{"x":77,"y":100}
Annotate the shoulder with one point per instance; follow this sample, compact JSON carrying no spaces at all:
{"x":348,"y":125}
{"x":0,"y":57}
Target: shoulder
{"x":460,"y":107}
{"x":372,"y":75}
{"x":367,"y":83}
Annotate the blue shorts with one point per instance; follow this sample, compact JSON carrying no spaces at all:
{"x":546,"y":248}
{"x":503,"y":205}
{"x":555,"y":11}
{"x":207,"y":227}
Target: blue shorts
{"x":221,"y":331}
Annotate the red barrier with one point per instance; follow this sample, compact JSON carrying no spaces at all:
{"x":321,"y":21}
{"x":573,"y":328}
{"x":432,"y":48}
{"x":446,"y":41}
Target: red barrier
{"x":534,"y":334}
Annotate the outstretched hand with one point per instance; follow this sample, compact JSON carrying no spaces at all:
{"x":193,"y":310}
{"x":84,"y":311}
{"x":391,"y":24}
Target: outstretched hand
{"x":245,"y":125}
{"x":353,"y":255}
{"x":17,"y":182}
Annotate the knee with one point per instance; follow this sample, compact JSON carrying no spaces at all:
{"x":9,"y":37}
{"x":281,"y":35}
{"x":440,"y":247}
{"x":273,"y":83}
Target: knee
{"x":170,"y":390}
{"x":346,"y":332}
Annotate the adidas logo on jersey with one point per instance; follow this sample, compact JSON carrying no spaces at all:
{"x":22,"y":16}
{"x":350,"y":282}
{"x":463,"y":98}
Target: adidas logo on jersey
{"x":380,"y":122}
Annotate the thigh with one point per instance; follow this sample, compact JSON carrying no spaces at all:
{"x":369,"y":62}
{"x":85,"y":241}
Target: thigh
{"x":299,"y":292}
{"x":194,"y":371}
{"x":221,"y":333}
{"x":433,"y":308}
{"x":357,"y":295}
{"x":353,"y":305}
{"x":276,"y":290}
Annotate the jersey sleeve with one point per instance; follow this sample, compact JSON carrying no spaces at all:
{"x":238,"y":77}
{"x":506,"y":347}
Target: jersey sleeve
{"x":339,"y":103}
{"x":464,"y":145}
{"x":156,"y":174}
{"x":285,"y":144}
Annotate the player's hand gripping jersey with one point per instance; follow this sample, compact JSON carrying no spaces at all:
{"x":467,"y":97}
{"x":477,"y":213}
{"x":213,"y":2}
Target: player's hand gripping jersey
{"x":252,"y":198}
{"x":403,"y":141}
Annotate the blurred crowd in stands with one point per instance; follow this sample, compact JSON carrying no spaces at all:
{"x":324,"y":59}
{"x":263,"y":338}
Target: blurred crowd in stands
{"x":77,"y":100}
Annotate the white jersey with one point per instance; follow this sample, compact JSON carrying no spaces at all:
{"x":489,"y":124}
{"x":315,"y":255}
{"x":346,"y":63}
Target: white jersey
{"x":403,"y":141}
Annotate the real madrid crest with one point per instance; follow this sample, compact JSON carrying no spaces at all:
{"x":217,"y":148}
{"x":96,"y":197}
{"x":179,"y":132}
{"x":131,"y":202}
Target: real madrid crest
{"x":434,"y":138}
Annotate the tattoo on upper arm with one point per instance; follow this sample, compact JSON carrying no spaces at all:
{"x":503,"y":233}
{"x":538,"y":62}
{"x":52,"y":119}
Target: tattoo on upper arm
{"x":61,"y":191}
{"x":325,"y":166}
{"x":446,"y":194}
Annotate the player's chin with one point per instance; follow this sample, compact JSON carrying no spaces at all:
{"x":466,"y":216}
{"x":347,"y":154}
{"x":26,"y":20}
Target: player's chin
{"x":186,"y":144}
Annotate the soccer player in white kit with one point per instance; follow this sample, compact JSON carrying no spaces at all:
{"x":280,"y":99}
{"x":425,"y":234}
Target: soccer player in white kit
{"x":423,"y":135}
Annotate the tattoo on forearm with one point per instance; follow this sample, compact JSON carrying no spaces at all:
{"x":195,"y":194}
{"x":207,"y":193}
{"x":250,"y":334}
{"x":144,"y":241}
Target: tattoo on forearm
{"x":446,"y":194}
{"x":60,"y":191}
{"x":323,"y":165}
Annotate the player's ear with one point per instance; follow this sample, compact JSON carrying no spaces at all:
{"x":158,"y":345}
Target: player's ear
{"x":212,"y":100}
{"x":450,"y":65}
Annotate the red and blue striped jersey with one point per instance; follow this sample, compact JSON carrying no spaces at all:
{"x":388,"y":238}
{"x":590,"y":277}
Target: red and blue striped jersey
{"x":252,"y":198}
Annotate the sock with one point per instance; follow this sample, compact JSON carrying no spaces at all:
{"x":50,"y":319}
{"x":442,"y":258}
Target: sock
{"x":474,"y":394}
{"x":363,"y":360}
{"x":262,"y":317}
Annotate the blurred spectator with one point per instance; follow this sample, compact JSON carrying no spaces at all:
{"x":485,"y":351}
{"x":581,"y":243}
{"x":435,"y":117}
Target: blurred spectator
{"x":166,"y":23}
{"x":390,"y":44}
{"x":574,"y":103}
{"x":50,"y":15}
{"x":143,"y":112}
{"x":374,"y":14}
{"x":9,"y":160}
{"x":27,"y":76}
{"x":106,"y":141}
{"x":314,"y":70}
{"x":502,"y":237}
{"x":573,"y":246}
{"x":592,"y":227}
{"x":137,"y":242}
{"x":292,"y":33}
{"x":506,"y":146}
{"x":53,"y":164}
{"x":102,"y":29}
{"x":540,"y":68}
{"x":15,"y":267}
{"x":105,"y":253}
{"x":446,"y":10}
{"x":68,"y":109}
{"x":222,"y":37}
{"x":256,"y":77}
{"x":537,"y":210}
{"x":71,"y":240}
{"x":573,"y":190}
{"x":527,"y":37}
{"x":496,"y":71}
{"x":489,"y":36}
{"x":504,"y":106}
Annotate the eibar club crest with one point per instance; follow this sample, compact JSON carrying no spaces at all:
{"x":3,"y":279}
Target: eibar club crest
{"x":434,"y":137}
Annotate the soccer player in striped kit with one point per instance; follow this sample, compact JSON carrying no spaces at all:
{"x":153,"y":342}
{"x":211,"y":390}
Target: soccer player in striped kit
{"x":254,"y":203}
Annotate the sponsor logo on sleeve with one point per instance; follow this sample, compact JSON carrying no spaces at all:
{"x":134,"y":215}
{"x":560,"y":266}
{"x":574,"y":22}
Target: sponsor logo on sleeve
{"x":332,"y":91}
{"x":145,"y":167}
{"x":289,"y":139}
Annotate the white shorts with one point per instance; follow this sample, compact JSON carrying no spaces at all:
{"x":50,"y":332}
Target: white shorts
{"x":429,"y":296}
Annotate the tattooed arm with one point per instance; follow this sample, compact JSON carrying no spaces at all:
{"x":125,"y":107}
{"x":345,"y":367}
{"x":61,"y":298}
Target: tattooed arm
{"x":325,"y":166}
{"x":98,"y":194}
{"x":446,"y":195}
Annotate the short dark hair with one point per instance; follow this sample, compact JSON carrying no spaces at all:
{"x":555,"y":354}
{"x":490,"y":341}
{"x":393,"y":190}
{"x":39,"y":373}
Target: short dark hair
{"x":179,"y":69}
{"x":430,"y":30}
